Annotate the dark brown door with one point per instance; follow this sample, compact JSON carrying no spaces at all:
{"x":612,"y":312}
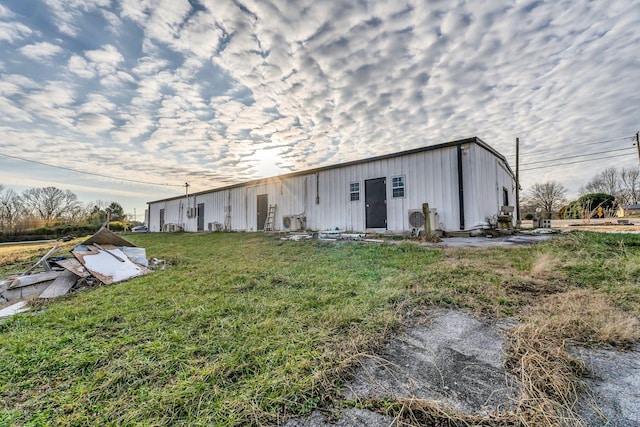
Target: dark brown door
{"x":200,"y":216}
{"x":375,"y":198}
{"x":263,"y":207}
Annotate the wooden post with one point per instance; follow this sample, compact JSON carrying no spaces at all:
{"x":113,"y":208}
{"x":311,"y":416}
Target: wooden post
{"x":427,"y":219}
{"x":518,"y":222}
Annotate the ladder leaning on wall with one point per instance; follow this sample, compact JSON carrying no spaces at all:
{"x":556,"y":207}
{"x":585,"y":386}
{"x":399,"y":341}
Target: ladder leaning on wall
{"x":271,"y":218}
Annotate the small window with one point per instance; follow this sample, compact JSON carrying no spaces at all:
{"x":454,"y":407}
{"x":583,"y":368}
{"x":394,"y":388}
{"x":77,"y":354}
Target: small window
{"x":505,"y":197}
{"x":354,"y":190}
{"x":397,"y":186}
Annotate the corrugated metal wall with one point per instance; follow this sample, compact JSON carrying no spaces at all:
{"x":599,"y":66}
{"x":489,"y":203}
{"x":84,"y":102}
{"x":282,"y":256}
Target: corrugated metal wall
{"x":488,"y":176}
{"x":323,"y":197}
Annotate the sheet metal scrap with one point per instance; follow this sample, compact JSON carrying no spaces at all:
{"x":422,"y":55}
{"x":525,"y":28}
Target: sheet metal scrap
{"x":33,"y":281}
{"x":106,"y":237}
{"x":104,"y":256}
{"x":108,"y":263}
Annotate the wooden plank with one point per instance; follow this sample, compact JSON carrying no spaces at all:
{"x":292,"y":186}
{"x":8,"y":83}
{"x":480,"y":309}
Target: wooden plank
{"x":74,"y":266}
{"x":43,"y":261}
{"x":25,"y":291}
{"x":33,"y":279}
{"x":61,"y":286}
{"x":13,"y":309}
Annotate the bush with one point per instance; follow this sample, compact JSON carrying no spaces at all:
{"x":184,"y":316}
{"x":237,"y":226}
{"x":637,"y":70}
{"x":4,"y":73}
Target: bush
{"x":587,"y":203}
{"x":116,"y":226}
{"x":51,"y":232}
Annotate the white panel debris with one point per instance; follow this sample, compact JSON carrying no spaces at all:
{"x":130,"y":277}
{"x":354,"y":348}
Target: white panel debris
{"x":137,"y":255}
{"x":109,"y":269}
{"x":16,"y":308}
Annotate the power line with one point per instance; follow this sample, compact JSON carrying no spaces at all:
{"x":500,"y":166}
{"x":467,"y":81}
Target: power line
{"x":578,"y":144}
{"x":88,"y":173}
{"x":573,"y":157}
{"x":569,"y":163}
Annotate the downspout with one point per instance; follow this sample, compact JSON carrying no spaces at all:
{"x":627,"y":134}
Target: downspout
{"x":460,"y":187}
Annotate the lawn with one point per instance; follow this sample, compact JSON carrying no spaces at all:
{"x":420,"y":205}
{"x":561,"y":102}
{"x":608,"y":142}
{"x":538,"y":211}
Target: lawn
{"x":248,"y":329}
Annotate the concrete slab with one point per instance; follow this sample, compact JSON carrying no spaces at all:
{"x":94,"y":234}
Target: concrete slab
{"x":480,"y":242}
{"x":453,"y":358}
{"x":614,"y":380}
{"x":349,"y":418}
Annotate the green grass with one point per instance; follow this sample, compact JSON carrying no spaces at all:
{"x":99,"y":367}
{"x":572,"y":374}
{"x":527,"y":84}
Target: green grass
{"x":239,"y":327}
{"x":244,"y":329}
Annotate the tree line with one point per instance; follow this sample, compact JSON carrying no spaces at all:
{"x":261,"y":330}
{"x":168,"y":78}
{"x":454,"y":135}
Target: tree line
{"x":610,"y":189}
{"x":47,"y":206}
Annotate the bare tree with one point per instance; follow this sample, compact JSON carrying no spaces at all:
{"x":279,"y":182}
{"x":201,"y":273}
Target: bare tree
{"x":549,"y":196}
{"x":607,"y":182}
{"x":11,"y":208}
{"x":630,"y":178}
{"x":49,"y":203}
{"x":622,"y":184}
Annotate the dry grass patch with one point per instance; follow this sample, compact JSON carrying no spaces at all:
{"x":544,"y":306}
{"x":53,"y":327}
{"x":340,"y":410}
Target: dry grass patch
{"x":412,"y":412}
{"x":544,"y":265}
{"x":550,"y":378}
{"x":586,"y":318}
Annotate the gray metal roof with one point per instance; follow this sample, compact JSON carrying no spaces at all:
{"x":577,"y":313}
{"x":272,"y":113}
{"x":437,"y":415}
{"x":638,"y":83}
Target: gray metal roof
{"x":473,"y":140}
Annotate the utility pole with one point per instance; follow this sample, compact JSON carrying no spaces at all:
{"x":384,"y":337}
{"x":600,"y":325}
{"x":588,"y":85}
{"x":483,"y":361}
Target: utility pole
{"x":186,"y":197}
{"x":518,"y":221}
{"x":638,"y":145}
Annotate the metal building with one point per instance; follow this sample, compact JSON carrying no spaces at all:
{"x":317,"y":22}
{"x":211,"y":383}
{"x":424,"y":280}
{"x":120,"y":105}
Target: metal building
{"x":465,"y":183}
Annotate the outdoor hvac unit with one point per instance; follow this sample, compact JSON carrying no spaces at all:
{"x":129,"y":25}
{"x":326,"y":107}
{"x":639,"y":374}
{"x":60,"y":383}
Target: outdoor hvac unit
{"x":416,"y":219}
{"x":214,"y":226}
{"x":418,"y":223}
{"x":291,"y":223}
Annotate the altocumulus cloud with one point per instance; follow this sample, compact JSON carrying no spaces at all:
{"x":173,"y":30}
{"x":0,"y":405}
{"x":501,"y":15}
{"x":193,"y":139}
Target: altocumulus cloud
{"x":219,"y":91}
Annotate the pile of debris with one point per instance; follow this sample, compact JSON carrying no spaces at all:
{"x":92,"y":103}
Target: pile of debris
{"x":330,"y":235}
{"x":103,"y":258}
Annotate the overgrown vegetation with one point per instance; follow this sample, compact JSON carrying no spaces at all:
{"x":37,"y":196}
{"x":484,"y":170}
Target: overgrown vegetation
{"x":244,"y":329}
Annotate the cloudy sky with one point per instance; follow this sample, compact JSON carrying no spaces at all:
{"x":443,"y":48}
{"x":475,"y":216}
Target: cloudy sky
{"x":145,"y":95}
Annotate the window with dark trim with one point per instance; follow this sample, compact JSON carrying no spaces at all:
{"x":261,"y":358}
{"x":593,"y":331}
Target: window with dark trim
{"x":505,"y":197}
{"x":354,"y":191}
{"x":397,"y":186}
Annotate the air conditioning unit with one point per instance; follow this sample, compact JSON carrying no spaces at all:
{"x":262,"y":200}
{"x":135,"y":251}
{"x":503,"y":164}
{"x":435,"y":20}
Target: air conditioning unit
{"x":417,"y":220}
{"x":214,"y":226}
{"x":435,"y":219}
{"x":291,"y":223}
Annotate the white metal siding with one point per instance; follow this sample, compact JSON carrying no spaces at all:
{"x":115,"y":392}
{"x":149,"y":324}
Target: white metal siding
{"x":489,"y":176}
{"x":429,"y":176}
